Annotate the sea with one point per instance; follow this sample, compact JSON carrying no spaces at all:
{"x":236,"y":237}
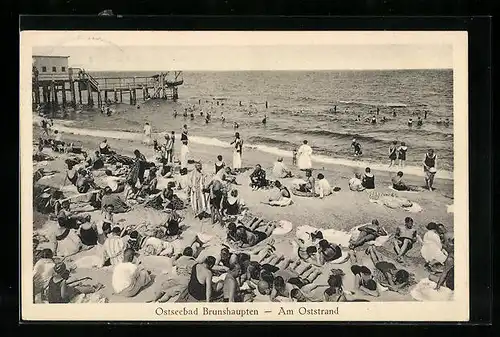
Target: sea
{"x":319,"y":106}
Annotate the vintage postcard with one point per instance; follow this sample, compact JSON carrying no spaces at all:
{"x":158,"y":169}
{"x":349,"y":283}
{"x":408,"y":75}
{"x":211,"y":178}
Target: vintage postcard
{"x":301,"y":176}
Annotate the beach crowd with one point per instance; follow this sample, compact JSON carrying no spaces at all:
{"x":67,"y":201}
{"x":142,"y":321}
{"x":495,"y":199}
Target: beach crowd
{"x":240,"y":260}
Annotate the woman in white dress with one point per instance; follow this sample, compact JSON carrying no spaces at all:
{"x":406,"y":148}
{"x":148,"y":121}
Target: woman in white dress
{"x":238,"y":147}
{"x":304,"y":156}
{"x":184,"y":154}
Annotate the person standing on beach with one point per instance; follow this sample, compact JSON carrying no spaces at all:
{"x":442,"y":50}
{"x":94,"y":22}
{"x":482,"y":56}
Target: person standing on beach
{"x":169,"y":147}
{"x":197,"y":186}
{"x":430,"y":168}
{"x":184,"y":154}
{"x":304,"y":154}
{"x":393,"y":153}
{"x":238,"y":149}
{"x":402,"y":154}
{"x":184,"y":135}
{"x":357,"y":147}
{"x":147,"y":133}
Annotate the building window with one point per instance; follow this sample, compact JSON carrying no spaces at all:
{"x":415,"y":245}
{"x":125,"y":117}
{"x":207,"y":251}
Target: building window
{"x":44,"y":69}
{"x":54,"y":69}
{"x":63,"y":69}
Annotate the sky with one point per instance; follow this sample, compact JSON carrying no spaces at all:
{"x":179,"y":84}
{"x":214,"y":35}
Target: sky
{"x":246,"y":52}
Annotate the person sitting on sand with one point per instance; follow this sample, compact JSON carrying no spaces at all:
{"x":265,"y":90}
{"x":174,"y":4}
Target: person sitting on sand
{"x":59,"y":289}
{"x":322,"y":186}
{"x":231,"y":288}
{"x":367,"y":233}
{"x":104,"y":147}
{"x":368,"y":181}
{"x":255,"y":232}
{"x":363,"y":280}
{"x":281,"y":197}
{"x":149,"y":185}
{"x":258,"y":178}
{"x":398,"y":183}
{"x":116,"y":184}
{"x":176,"y":284}
{"x":280,"y":170}
{"x":447,"y":276}
{"x":119,"y":206}
{"x":200,"y":286}
{"x":432,"y":248}
{"x":68,"y":219}
{"x":114,"y":246}
{"x":129,"y":278}
{"x":219,"y":164}
{"x":392,"y":278}
{"x":309,"y":186}
{"x":103,"y":234}
{"x":85,"y":181}
{"x":231,"y":205}
{"x":170,"y":199}
{"x":404,"y":238}
{"x":88,"y":234}
{"x":42,"y":273}
{"x":355,"y":184}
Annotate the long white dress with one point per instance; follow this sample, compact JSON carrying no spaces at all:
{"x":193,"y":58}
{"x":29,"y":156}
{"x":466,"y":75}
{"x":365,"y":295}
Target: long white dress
{"x":304,"y":157}
{"x":432,"y":248}
{"x":184,"y":156}
{"x":237,"y":154}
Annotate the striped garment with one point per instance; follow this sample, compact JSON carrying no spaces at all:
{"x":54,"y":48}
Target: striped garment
{"x":114,"y":246}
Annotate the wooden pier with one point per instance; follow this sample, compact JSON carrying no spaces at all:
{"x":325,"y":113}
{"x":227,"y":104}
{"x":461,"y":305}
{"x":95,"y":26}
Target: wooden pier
{"x":85,"y":90}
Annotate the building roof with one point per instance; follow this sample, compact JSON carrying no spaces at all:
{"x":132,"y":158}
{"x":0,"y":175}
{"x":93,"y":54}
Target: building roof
{"x":51,"y":56}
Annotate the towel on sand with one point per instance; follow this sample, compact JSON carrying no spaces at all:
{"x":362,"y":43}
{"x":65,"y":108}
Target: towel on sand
{"x":450,"y":208}
{"x":284,"y":227}
{"x":340,"y":238}
{"x":424,"y":291}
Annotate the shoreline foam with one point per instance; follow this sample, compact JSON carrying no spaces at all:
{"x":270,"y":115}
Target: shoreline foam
{"x":134,"y":136}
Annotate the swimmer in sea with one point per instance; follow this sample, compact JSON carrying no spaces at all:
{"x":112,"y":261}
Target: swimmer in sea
{"x":378,"y":110}
{"x":439,"y":121}
{"x":358,"y":119}
{"x":222,"y":117}
{"x":374,"y":120}
{"x":264,"y":121}
{"x":201,"y":112}
{"x":425,"y":114}
{"x":410,"y":122}
{"x":419,"y":121}
{"x":394,"y":114}
{"x":447,"y":122}
{"x":185,"y":113}
{"x":175,"y":113}
{"x":192,"y":116}
{"x":236,"y":125}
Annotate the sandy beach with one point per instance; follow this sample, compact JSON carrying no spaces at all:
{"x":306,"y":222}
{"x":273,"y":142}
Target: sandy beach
{"x":341,"y":211}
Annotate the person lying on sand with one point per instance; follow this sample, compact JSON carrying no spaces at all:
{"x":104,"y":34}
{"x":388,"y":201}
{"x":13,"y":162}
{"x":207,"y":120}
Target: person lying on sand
{"x":335,"y":291}
{"x":281,"y":196}
{"x":368,"y":233}
{"x":128,"y":277}
{"x":60,"y":290}
{"x":280,"y":170}
{"x":363,"y":280}
{"x":404,"y":238}
{"x":393,"y":278}
{"x":258,"y":178}
{"x":327,"y":252}
{"x":253,"y":232}
{"x":355,"y":184}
